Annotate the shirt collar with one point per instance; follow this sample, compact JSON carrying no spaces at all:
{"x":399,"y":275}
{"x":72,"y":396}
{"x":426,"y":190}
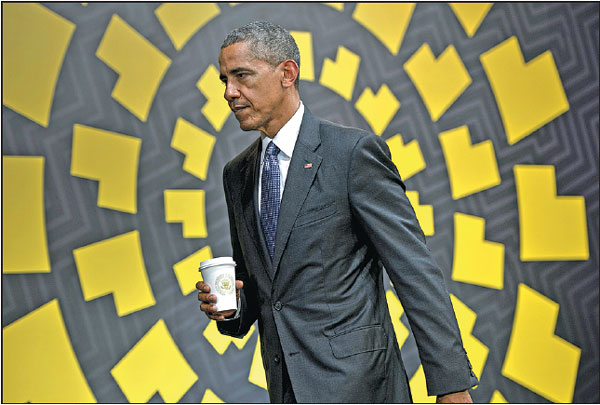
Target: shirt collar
{"x":286,"y":138}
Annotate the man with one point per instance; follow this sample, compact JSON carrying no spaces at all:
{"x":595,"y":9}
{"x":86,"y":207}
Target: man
{"x":316,"y":211}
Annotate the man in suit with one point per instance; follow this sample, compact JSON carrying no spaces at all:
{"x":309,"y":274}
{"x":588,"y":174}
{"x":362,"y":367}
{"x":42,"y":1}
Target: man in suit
{"x":317,"y":211}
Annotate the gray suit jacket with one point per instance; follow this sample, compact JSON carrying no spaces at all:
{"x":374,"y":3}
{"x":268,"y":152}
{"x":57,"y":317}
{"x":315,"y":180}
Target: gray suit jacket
{"x":320,"y":302}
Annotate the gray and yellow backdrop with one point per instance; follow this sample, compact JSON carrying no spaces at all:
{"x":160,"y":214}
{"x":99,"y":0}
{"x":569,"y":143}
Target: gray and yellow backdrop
{"x":115,"y":133}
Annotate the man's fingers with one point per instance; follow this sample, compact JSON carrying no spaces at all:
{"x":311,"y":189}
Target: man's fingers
{"x":204,"y":294}
{"x":208,"y":308}
{"x":207,"y":300}
{"x":462,"y":397}
{"x":204,"y":297}
{"x":210,"y":311}
{"x":202,"y":286}
{"x":214,"y":316}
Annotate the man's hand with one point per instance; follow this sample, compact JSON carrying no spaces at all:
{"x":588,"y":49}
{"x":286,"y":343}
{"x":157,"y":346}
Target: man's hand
{"x":207,"y":300}
{"x":462,"y":397}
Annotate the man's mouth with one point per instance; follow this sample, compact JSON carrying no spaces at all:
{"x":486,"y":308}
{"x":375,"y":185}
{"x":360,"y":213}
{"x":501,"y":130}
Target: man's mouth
{"x":237,"y":108}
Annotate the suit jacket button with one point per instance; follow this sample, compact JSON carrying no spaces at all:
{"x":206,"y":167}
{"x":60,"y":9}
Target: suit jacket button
{"x":276,"y":359}
{"x":278,"y":306}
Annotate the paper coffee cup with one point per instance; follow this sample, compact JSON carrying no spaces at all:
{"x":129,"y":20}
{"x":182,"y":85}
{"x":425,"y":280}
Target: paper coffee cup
{"x":219,"y":274}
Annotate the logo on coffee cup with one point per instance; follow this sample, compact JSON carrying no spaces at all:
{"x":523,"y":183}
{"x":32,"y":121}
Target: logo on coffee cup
{"x":224,"y":284}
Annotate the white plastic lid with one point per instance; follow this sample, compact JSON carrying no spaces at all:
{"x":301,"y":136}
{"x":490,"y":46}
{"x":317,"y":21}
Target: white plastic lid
{"x":217,"y":261}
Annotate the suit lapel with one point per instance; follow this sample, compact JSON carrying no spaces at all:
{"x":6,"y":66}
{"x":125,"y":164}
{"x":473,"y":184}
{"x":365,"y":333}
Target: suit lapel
{"x":249,"y":205}
{"x":301,"y":174}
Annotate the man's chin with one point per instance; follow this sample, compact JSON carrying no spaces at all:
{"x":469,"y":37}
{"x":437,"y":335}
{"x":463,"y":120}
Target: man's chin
{"x":246,"y":126}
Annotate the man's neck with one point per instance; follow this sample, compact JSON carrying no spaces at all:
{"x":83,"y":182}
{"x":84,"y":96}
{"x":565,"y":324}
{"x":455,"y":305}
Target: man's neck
{"x":287,"y":112}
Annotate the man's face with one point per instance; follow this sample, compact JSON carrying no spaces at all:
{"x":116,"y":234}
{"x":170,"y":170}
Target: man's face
{"x":253,"y":89}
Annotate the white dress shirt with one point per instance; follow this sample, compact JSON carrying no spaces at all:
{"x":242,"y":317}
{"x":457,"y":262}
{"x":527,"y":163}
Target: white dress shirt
{"x":285,"y":140}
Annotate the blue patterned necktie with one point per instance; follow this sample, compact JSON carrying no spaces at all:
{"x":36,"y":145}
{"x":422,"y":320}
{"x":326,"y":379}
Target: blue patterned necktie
{"x":269,"y":202}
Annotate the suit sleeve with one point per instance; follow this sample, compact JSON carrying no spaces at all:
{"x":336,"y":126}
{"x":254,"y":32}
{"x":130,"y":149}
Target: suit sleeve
{"x":378,"y":200}
{"x":248,"y":308}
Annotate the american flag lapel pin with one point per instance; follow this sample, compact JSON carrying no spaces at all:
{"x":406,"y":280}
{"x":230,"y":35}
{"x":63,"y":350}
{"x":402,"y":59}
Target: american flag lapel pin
{"x":308,"y":165}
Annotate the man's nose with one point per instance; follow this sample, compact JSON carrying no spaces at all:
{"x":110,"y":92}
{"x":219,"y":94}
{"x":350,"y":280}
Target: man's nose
{"x":231,"y":92}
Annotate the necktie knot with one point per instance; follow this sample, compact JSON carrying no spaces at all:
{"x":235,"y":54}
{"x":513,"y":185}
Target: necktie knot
{"x":272,"y":150}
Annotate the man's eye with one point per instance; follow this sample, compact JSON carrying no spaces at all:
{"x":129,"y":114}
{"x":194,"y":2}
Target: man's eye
{"x":241,"y":75}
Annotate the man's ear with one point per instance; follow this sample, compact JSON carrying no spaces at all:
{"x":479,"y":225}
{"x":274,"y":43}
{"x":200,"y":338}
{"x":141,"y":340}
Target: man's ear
{"x":290,"y":73}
